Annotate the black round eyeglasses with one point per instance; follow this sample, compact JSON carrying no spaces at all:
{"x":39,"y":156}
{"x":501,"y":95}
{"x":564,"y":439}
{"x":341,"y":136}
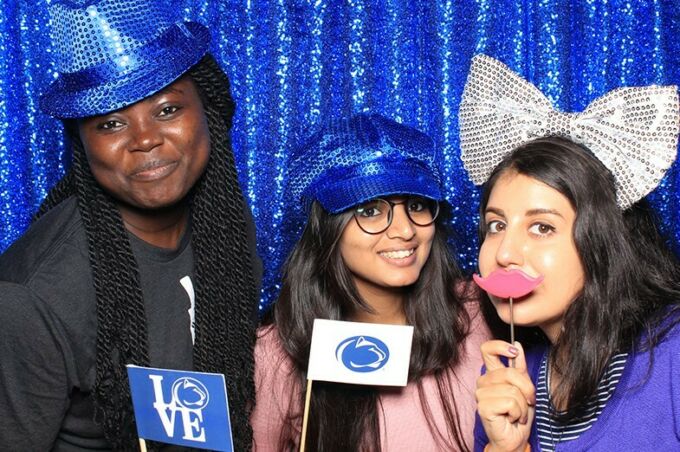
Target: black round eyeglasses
{"x":376,"y":215}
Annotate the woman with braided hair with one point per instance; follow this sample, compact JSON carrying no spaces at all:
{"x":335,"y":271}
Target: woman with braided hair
{"x":144,"y":252}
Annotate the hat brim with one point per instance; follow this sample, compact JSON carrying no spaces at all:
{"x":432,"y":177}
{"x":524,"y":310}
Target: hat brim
{"x":101,"y":90}
{"x":346,"y":193}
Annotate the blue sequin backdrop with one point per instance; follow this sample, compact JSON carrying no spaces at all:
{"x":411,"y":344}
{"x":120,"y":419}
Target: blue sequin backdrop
{"x":293,"y":63}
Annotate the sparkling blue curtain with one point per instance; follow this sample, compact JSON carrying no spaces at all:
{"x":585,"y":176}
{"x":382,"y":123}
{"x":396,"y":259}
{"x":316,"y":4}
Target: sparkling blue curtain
{"x":294,"y":63}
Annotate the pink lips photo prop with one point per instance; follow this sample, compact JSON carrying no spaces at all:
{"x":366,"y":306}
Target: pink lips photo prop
{"x":508,"y":283}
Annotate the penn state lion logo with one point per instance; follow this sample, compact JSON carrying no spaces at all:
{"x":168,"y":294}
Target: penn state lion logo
{"x":190,"y":393}
{"x":362,"y":353}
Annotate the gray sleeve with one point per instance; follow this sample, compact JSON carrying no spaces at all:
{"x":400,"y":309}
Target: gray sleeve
{"x":34,"y":374}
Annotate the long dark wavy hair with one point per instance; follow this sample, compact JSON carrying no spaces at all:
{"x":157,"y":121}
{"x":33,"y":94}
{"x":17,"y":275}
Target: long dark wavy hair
{"x":632,"y":279}
{"x":226,"y":298}
{"x":317,"y":284}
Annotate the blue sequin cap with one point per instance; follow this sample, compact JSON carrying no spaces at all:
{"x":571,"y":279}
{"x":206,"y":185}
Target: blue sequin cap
{"x":353,"y":160}
{"x":112,"y":53}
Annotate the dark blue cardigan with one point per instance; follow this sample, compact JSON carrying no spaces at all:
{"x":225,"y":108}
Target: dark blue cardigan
{"x":642,"y":414}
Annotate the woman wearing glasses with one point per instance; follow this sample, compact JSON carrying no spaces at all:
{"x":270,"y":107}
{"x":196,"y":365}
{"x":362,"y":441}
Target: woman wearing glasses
{"x":373,"y":249}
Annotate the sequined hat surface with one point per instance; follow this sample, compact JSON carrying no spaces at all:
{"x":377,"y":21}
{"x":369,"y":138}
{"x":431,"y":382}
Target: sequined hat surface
{"x":632,"y":131}
{"x":112,"y":53}
{"x":353,"y":160}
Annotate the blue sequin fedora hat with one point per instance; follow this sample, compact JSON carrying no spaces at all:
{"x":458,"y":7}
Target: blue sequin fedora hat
{"x":353,"y":160}
{"x":112,"y":53}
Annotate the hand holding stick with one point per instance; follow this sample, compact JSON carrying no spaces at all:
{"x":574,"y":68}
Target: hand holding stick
{"x":506,"y":397}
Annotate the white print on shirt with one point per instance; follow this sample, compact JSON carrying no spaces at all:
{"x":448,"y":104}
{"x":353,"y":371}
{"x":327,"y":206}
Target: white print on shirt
{"x":189,"y":287}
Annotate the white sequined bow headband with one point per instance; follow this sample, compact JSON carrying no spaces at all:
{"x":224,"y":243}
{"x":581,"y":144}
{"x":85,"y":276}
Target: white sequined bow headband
{"x":632,"y":131}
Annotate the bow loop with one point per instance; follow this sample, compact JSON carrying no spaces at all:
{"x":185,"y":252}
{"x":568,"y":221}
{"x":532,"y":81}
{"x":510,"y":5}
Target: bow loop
{"x":632,"y":131}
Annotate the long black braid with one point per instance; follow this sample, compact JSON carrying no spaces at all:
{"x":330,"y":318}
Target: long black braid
{"x":226,"y":298}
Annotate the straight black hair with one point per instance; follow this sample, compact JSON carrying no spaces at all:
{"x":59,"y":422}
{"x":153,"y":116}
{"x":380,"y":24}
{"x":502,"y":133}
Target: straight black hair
{"x":317,"y":284}
{"x":631,"y":277}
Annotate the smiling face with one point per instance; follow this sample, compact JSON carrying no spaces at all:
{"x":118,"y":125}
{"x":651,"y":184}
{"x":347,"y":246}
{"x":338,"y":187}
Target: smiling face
{"x":149,"y":155}
{"x":389,"y":261}
{"x":529,"y":226}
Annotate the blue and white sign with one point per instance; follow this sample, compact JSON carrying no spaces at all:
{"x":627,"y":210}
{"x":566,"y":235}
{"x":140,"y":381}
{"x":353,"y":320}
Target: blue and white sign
{"x":360,"y":353}
{"x":181,"y":407}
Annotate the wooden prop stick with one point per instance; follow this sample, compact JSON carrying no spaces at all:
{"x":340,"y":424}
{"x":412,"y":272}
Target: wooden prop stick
{"x":512,"y":332}
{"x":142,"y":445}
{"x":305,"y":416}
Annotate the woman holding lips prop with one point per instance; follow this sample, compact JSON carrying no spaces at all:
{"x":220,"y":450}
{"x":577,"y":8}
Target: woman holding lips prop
{"x":566,"y":234}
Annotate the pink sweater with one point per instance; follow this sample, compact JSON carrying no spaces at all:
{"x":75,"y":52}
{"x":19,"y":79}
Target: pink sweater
{"x":403,"y":426}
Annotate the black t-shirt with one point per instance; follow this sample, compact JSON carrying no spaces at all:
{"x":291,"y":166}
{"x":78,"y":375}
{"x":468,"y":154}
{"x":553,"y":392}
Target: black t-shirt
{"x":48,"y":329}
